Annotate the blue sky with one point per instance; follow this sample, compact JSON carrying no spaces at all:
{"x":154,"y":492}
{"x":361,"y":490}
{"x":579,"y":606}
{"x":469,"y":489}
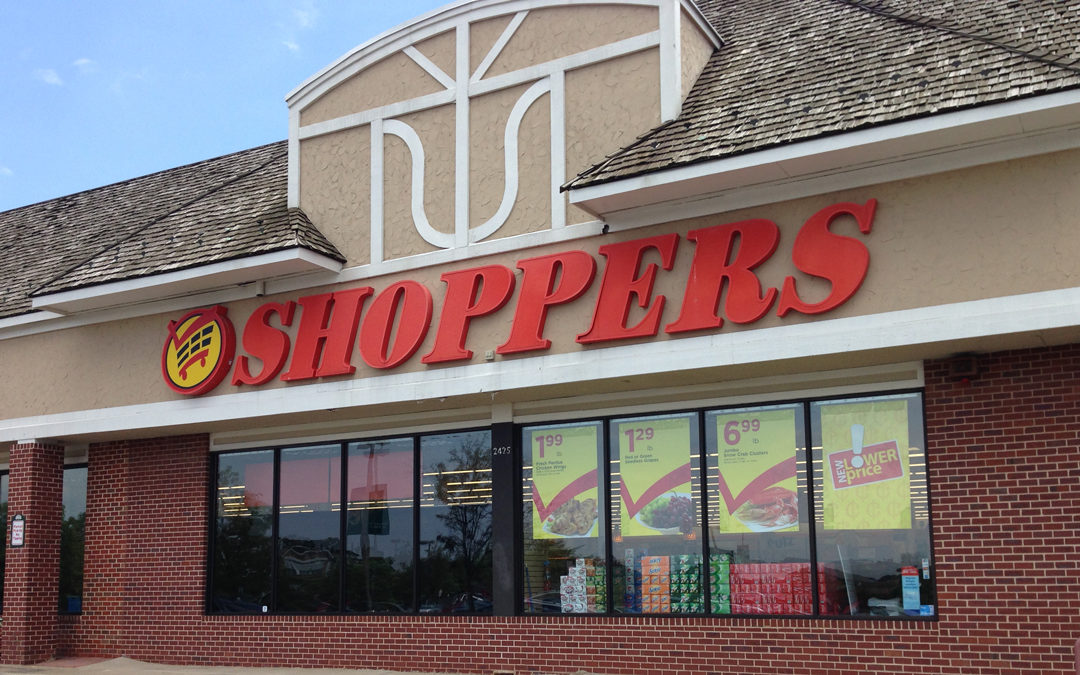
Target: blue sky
{"x":92,"y":93}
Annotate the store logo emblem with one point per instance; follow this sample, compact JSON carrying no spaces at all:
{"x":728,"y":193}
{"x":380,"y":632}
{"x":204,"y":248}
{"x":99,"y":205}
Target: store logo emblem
{"x":198,"y":352}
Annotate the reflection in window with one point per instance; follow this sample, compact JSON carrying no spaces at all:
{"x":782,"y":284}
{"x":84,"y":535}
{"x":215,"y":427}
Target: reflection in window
{"x":873,"y":530}
{"x":759,"y":543}
{"x":379,"y":527}
{"x":565,"y":529}
{"x":309,"y":530}
{"x":656,"y":509}
{"x":243,"y":517}
{"x":455,"y":523}
{"x":72,"y":540}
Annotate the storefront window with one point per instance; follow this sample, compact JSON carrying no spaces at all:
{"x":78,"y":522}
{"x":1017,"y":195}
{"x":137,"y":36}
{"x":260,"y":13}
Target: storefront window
{"x":809,"y":508}
{"x":873,"y":529}
{"x":656,"y":515}
{"x":565,"y":524}
{"x":309,"y":530}
{"x":379,"y":527}
{"x":455,"y":523}
{"x":759,"y":543}
{"x":241,"y":581}
{"x":72,"y":540}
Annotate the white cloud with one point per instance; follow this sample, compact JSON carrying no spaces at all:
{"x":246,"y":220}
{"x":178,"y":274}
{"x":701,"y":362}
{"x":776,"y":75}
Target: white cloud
{"x":306,"y":16}
{"x":48,"y":76}
{"x":292,"y":46}
{"x":85,"y":65}
{"x":4,"y":171}
{"x":124,"y":82}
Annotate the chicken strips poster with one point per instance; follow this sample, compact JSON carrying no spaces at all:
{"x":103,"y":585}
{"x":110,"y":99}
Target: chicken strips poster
{"x":756,"y":458}
{"x":564,"y":481}
{"x":865,"y":456}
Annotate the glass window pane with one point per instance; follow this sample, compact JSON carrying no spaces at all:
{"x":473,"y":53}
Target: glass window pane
{"x":873,"y":535}
{"x":565,"y":529}
{"x":759,"y":528}
{"x":309,"y":530}
{"x":243,"y":503}
{"x":455,"y":523}
{"x":379,"y":527}
{"x":656,"y":508}
{"x":72,"y":540}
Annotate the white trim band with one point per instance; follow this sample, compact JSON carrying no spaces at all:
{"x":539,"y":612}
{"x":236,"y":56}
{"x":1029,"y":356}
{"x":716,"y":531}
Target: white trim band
{"x":951,"y":324}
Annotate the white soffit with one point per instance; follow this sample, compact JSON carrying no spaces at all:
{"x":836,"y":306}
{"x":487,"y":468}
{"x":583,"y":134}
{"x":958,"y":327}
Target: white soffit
{"x":183,"y":282}
{"x":896,"y":151}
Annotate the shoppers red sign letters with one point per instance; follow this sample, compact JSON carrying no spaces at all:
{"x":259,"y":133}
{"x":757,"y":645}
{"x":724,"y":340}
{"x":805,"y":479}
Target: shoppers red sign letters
{"x":396,"y":321}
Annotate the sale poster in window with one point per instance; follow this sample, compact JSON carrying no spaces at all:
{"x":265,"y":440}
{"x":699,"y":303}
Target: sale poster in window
{"x":565,"y":491}
{"x":865,"y":466}
{"x":654,"y":467}
{"x":756,"y":457}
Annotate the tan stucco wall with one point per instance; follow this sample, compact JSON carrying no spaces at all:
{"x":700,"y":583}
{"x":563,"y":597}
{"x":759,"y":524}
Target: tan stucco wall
{"x":990,"y":231}
{"x":440,"y":50}
{"x":334,"y":170}
{"x":395,"y":78}
{"x":628,"y":107}
{"x":554,"y":32}
{"x":696,"y":50}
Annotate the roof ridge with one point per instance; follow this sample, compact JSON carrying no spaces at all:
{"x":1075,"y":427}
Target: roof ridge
{"x":1034,"y":53}
{"x":145,"y":175}
{"x":139,"y":230}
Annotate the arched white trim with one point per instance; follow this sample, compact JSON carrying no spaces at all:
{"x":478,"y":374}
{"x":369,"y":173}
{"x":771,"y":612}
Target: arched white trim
{"x":439,"y":21}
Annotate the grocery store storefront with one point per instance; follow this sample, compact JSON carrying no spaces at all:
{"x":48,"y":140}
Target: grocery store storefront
{"x":495,"y":426}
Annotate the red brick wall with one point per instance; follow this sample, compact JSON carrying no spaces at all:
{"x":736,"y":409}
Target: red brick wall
{"x":1004,"y":453}
{"x":32,"y":572}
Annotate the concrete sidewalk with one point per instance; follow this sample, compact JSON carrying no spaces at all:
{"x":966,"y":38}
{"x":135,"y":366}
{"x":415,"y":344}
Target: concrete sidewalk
{"x":125,"y":666}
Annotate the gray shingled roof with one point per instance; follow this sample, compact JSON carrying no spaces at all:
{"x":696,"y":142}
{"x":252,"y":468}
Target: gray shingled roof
{"x":219,"y":209}
{"x":791,"y":70}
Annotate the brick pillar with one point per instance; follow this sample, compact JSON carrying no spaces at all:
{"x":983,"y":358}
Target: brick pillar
{"x":32,"y":574}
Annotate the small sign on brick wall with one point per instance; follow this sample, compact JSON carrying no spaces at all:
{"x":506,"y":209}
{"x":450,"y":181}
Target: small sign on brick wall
{"x":18,"y":530}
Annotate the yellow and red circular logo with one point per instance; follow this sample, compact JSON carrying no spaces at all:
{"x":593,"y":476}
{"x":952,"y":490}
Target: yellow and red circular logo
{"x":198,"y":352}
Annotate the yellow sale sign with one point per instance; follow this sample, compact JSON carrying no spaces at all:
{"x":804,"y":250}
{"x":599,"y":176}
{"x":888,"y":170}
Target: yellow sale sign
{"x":564,"y":481}
{"x":865,"y":465}
{"x":756,"y":457}
{"x":654,"y":472}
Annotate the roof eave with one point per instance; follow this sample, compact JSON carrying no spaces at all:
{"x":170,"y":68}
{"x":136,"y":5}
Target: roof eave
{"x":249,"y":269}
{"x":942,"y":142}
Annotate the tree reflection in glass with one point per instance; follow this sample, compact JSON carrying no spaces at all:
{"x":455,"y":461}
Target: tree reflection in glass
{"x":379,"y":527}
{"x":309,"y":530}
{"x":455,"y":523}
{"x":240,"y":575}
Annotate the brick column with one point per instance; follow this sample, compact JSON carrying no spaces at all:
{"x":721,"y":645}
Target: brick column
{"x":32,"y":574}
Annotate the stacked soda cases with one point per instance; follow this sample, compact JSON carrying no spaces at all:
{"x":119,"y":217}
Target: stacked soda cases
{"x":664,"y":584}
{"x":772,"y":588}
{"x":720,"y":582}
{"x":584,"y":587}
